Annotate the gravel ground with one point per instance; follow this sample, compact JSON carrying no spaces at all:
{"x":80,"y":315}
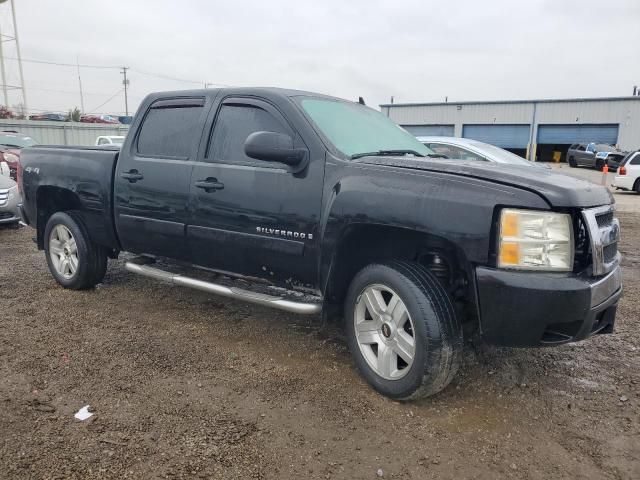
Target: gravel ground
{"x":187,"y":385}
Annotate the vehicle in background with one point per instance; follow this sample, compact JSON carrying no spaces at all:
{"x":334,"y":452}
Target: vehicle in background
{"x":125,"y":119}
{"x":611,"y":159}
{"x":628,"y":176}
{"x":49,"y":116}
{"x":319,"y":205}
{"x":11,"y":142}
{"x":110,"y":140}
{"x":99,"y":119}
{"x":468,"y":149}
{"x":592,"y":155}
{"x":9,"y":201}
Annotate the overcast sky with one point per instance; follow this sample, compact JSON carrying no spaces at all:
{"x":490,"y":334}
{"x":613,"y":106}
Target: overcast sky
{"x":413,"y":50}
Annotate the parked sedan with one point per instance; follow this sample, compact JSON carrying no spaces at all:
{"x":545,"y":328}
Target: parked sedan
{"x":628,"y":176}
{"x":11,"y":142}
{"x":9,"y":200}
{"x":49,"y":116}
{"x":99,"y":119}
{"x":595,"y":155}
{"x":468,"y":149}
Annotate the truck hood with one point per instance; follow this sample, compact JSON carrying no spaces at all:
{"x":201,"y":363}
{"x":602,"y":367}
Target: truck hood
{"x":559,"y":190}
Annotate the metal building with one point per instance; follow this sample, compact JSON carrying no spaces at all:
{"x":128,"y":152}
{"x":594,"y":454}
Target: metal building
{"x":531,"y":128}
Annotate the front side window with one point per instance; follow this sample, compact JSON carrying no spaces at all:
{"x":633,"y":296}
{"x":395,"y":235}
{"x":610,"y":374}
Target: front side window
{"x":235,"y":122}
{"x":170,"y":131}
{"x":355,"y":129}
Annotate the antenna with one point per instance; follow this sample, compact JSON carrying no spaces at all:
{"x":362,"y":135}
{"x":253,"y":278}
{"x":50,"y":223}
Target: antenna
{"x":11,"y":36}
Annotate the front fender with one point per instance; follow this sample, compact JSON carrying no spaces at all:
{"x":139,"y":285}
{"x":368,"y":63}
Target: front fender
{"x":455,"y":208}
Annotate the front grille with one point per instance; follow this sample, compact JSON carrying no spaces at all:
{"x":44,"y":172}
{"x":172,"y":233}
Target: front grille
{"x":604,"y":219}
{"x":5,"y":215}
{"x":609,"y":252}
{"x":4,"y":196}
{"x":604,"y":233}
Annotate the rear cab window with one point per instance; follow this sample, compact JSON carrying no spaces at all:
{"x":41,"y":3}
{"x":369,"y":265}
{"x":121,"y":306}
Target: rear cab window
{"x":171,"y":128}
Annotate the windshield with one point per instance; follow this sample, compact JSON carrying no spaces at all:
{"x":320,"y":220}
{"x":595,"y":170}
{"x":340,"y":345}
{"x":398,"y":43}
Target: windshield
{"x":16,"y":141}
{"x":355,"y":129}
{"x":501,"y":155}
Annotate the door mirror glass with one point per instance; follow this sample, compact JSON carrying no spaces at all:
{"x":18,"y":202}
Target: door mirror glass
{"x":273,"y":147}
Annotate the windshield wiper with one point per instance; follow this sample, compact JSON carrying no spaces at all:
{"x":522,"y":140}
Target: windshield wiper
{"x":436,"y":155}
{"x":387,"y":152}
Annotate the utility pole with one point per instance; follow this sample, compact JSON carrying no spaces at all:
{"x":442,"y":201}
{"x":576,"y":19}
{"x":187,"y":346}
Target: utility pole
{"x":125,"y":82}
{"x":80,"y":84}
{"x":15,"y":37}
{"x":4,"y":76}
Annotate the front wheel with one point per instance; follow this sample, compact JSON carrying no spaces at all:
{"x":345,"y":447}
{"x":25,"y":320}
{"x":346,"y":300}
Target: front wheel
{"x":73,"y":259}
{"x":402,"y":330}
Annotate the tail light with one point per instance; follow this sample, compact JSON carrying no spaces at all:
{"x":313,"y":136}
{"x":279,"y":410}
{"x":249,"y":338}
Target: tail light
{"x":622,"y":171}
{"x":19,"y":175}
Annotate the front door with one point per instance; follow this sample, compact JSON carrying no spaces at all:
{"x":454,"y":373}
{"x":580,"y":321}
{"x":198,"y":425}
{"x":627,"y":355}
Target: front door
{"x":254,"y":217}
{"x":153,"y":176}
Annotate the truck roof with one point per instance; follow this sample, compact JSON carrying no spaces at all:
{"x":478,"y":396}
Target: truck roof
{"x":260,"y":91}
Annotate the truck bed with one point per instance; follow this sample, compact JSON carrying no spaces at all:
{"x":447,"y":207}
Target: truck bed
{"x":83,"y":175}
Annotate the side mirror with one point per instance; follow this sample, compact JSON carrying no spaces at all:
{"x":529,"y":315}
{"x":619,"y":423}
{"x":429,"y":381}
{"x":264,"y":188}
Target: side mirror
{"x":273,"y":147}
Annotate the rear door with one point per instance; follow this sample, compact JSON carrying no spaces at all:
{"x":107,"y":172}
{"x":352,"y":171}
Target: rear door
{"x":254,"y":217}
{"x":153,"y":176}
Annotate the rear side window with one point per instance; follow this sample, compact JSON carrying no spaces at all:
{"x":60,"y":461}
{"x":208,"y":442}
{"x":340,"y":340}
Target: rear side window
{"x":170,"y":131}
{"x":234,"y":124}
{"x":635,"y":160}
{"x":581,"y":148}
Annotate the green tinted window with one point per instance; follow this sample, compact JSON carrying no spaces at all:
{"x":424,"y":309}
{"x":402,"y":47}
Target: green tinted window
{"x":353,"y":128}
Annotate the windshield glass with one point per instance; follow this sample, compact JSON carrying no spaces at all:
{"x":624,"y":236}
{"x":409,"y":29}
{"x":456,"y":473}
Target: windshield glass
{"x":501,"y":155}
{"x":355,"y":129}
{"x":17,"y":141}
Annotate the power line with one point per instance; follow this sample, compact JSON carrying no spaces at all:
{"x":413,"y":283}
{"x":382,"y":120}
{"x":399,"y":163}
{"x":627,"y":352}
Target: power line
{"x":110,"y":98}
{"x":61,"y":64}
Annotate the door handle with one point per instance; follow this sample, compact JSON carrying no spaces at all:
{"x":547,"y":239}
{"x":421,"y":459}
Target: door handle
{"x":132,"y":175}
{"x":209,"y":184}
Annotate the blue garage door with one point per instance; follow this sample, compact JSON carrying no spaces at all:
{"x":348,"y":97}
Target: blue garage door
{"x":505,"y":136}
{"x":429,"y":130}
{"x":567,"y":134}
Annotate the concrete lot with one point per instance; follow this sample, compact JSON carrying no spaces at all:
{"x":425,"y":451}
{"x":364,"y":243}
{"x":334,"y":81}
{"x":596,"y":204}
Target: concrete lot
{"x":187,"y":385}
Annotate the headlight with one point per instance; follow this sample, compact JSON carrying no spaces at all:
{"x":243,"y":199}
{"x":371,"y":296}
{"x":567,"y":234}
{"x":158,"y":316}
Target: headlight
{"x":11,"y":158}
{"x":531,"y":240}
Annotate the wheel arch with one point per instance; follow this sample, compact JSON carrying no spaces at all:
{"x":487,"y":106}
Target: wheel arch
{"x":362,"y":244}
{"x":49,"y":200}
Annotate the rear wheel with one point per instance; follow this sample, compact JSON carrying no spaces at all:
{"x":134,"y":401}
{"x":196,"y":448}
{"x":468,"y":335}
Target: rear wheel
{"x":636,"y":185}
{"x":402,"y":330}
{"x":572,"y":162}
{"x":73,"y":259}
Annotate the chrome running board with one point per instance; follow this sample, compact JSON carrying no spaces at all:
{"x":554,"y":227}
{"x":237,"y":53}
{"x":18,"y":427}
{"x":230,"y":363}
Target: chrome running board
{"x":281,"y":303}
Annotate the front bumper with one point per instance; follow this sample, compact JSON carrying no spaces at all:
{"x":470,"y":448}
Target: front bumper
{"x":525,"y":309}
{"x":9,"y":211}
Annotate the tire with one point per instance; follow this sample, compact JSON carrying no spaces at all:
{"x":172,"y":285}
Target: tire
{"x":431,"y":324}
{"x":572,"y":162}
{"x":636,"y":186}
{"x":80,"y":263}
{"x":599,"y":164}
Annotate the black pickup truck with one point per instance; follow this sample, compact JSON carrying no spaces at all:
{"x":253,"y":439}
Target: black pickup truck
{"x":316,"y":205}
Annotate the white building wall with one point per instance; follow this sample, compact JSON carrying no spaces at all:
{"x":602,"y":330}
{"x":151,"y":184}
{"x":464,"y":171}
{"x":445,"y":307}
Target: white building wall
{"x":622,"y":111}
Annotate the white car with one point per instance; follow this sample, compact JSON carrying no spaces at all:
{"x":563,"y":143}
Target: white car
{"x":110,"y":140}
{"x":628,"y":175}
{"x":468,"y":149}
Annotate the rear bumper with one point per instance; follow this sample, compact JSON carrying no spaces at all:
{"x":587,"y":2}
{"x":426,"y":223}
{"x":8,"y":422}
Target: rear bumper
{"x":624,"y":182}
{"x":526,"y":309}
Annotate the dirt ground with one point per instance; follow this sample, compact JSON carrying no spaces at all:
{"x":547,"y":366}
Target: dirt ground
{"x":188,"y":385}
